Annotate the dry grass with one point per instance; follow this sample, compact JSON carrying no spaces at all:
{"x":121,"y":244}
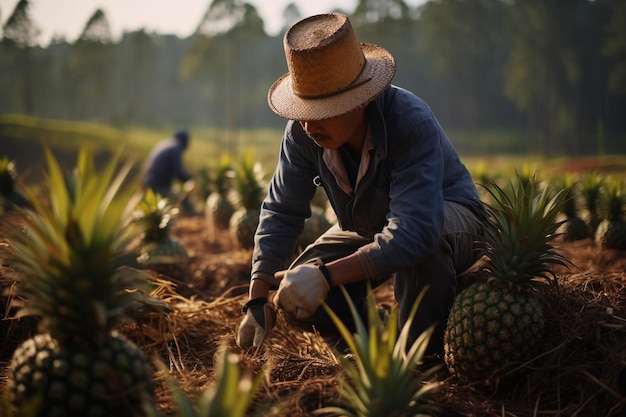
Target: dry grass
{"x":581,"y":372}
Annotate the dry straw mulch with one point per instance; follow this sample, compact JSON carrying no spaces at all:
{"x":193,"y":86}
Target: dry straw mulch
{"x":581,"y":371}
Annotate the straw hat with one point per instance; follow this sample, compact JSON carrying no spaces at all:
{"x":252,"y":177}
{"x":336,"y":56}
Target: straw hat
{"x":330,"y":72}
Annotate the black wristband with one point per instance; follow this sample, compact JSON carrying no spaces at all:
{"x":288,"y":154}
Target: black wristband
{"x":320,"y":264}
{"x":254,"y":302}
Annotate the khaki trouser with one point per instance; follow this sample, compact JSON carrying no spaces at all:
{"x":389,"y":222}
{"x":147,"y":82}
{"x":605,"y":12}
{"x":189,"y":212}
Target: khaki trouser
{"x":457,"y":251}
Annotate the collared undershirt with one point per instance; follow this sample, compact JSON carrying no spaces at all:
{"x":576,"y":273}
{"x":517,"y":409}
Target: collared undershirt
{"x":334,"y":162}
{"x":346,"y":170}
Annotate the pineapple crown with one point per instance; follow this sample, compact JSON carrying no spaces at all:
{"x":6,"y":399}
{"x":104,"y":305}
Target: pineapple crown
{"x":153,"y":216}
{"x":591,"y":188}
{"x":249,"y":182}
{"x":522,"y":223}
{"x":613,"y":199}
{"x":8,"y":176}
{"x":380,"y":376}
{"x":570,"y":203}
{"x":71,"y":256}
{"x":223,"y":175}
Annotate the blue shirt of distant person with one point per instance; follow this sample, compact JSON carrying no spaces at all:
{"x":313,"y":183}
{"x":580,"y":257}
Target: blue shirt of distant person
{"x":164,"y":164}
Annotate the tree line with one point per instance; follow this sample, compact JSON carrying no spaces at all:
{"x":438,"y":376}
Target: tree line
{"x":554,"y":70}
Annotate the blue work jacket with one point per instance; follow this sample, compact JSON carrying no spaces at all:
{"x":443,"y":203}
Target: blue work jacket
{"x":398,"y":203}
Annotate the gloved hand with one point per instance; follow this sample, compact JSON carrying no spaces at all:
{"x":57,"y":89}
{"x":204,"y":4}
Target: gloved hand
{"x":257,"y":323}
{"x":303,"y":289}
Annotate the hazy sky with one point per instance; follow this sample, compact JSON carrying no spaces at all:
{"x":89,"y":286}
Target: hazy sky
{"x":180,"y":17}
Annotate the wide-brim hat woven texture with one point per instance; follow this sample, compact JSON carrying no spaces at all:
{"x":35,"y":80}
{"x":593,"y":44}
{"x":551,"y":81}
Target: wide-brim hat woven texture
{"x":330,"y":72}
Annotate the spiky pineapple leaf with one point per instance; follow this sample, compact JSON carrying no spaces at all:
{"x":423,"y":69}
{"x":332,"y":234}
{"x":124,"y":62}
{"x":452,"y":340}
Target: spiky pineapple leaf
{"x":382,"y":377}
{"x":72,"y":254}
{"x":591,"y":188}
{"x":153,"y":215}
{"x":613,"y":199}
{"x":223,"y":174}
{"x":230,"y":395}
{"x":523,"y":220}
{"x":249,"y":182}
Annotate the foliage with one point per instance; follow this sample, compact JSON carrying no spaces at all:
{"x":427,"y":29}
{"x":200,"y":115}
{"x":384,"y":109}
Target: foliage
{"x":231,"y":395}
{"x":615,"y":46}
{"x":382,"y":379}
{"x":523,"y":218}
{"x":473,"y":61}
{"x":250,"y":182}
{"x":97,"y":29}
{"x":20,"y":29}
{"x":84,"y":224}
{"x":154,"y":214}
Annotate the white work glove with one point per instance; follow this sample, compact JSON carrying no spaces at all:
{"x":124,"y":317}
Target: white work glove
{"x":257,"y":323}
{"x":303,"y":289}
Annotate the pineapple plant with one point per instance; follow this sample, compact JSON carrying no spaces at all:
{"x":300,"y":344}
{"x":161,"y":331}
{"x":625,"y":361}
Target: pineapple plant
{"x":497,"y":323}
{"x":160,"y":251}
{"x":382,"y":378}
{"x":318,"y":222}
{"x":591,"y":189}
{"x":575,"y":227}
{"x":250,"y":190}
{"x":72,"y":260}
{"x":231,"y":395}
{"x":314,"y":226}
{"x":218,"y":208}
{"x":611,"y":233}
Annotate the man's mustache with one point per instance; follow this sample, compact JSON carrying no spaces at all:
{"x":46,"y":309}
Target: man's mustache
{"x":318,"y":136}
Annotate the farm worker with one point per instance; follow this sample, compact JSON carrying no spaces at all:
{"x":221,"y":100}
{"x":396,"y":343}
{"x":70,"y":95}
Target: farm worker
{"x":164,"y":164}
{"x":406,"y":205}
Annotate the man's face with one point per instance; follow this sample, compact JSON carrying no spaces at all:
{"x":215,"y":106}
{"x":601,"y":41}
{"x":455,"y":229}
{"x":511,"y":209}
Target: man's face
{"x":336,"y":131}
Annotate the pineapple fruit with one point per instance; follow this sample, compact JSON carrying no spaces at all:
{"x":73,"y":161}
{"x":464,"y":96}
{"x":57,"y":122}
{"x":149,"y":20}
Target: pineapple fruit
{"x":218,"y":208}
{"x":611,"y":232}
{"x":72,"y":258}
{"x":498,"y":324}
{"x":318,"y":222}
{"x":160,"y":252}
{"x":250,"y":189}
{"x":314,"y":226}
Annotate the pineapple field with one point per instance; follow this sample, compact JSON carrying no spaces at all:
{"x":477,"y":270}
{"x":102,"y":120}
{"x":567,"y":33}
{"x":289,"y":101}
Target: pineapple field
{"x":135,"y":312}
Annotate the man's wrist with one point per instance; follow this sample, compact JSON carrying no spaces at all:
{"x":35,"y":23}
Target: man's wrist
{"x":253,"y":303}
{"x":265,"y":277}
{"x":324,"y":270}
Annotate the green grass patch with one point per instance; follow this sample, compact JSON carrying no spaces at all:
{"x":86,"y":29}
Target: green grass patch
{"x":22,"y":137}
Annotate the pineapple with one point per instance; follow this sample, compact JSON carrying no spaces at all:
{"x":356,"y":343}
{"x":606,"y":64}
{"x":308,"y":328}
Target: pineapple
{"x":318,"y":222}
{"x":250,"y":188}
{"x":219,"y":209}
{"x":72,"y":261}
{"x":314,"y":226}
{"x":496,"y":324}
{"x":575,"y":227}
{"x":160,"y":252}
{"x":381,"y":377}
{"x":591,"y":188}
{"x":611,"y":233}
